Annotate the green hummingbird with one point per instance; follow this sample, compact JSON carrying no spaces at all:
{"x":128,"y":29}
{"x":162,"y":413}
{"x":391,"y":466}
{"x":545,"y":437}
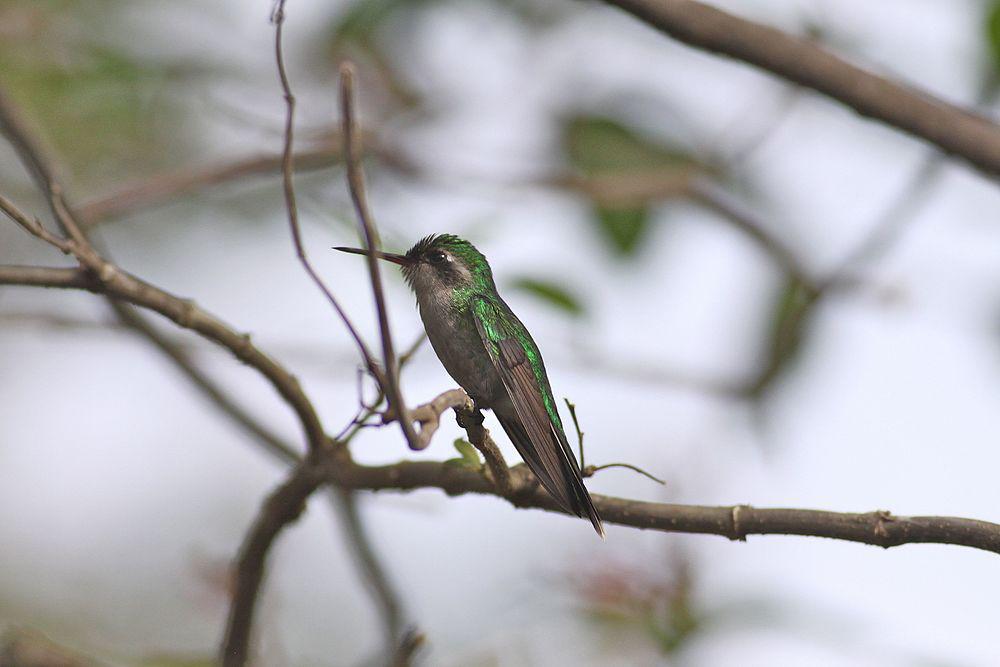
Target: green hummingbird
{"x":489,"y":352}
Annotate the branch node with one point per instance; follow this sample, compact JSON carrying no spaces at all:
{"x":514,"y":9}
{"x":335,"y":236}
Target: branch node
{"x":880,"y":531}
{"x":738,"y":534}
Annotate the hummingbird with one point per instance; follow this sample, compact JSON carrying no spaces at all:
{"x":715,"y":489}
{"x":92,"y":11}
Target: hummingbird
{"x":490,"y":354}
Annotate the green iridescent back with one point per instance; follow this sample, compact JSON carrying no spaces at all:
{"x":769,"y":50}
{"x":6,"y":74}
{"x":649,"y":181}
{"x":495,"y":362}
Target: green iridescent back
{"x":501,"y":323}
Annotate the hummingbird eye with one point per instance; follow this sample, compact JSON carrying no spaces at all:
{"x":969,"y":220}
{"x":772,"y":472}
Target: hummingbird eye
{"x":436,"y":257}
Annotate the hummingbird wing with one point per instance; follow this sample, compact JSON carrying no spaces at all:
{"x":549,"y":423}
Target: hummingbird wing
{"x":535,"y":429}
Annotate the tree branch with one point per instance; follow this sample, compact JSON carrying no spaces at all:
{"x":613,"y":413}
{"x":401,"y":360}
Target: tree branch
{"x":287,"y":168}
{"x":43,"y":276}
{"x":281,"y":508}
{"x":950,"y":128}
{"x":171,"y":186}
{"x":356,"y":185}
{"x":879,"y":528}
{"x":110,"y":280}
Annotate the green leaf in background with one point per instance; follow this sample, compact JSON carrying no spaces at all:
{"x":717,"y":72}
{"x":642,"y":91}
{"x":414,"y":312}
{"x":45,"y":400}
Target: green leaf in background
{"x":598,"y":147}
{"x":470,"y":455}
{"x":993,"y":32}
{"x":551,"y":293}
{"x":793,"y":306}
{"x":595,"y":145}
{"x":623,"y":229}
{"x":106,"y":109}
{"x":363,"y":18}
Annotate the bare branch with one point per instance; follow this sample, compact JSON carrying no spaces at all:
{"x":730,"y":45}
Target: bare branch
{"x":390,"y":609}
{"x":41,"y":276}
{"x":94,"y":275}
{"x":272,"y":442}
{"x":472,"y":421}
{"x":289,"y":189}
{"x":281,"y":508}
{"x":171,"y":186}
{"x":110,"y":280}
{"x":878,"y":528}
{"x":714,"y":197}
{"x":429,"y":414}
{"x":952,"y":129}
{"x":356,"y":183}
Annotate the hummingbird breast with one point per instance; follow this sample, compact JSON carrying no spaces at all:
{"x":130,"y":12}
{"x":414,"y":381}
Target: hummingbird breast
{"x":453,"y":335}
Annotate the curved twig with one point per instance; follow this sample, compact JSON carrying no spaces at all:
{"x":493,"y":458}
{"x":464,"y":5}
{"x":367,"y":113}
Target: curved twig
{"x":287,"y":169}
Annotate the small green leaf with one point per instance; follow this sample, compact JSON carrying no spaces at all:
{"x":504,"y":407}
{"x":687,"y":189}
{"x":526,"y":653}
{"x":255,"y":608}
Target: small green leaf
{"x":470,"y":455}
{"x":993,"y":32}
{"x":623,"y":228}
{"x":551,"y":293}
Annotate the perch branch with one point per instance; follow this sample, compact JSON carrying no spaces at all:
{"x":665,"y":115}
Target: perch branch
{"x":879,"y":528}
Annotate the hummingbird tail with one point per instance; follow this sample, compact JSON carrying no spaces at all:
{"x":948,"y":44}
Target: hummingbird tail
{"x":553,"y":464}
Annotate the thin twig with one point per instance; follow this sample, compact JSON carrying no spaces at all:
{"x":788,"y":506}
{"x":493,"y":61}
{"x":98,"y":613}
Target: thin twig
{"x":590,"y":470}
{"x":278,"y":18}
{"x":390,"y":609}
{"x":576,"y":425}
{"x":714,"y":196}
{"x":110,"y":280}
{"x":271,"y":441}
{"x":165,"y":188}
{"x":355,"y":180}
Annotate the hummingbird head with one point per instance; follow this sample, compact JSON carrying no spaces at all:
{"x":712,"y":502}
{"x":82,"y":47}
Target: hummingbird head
{"x":441,"y":262}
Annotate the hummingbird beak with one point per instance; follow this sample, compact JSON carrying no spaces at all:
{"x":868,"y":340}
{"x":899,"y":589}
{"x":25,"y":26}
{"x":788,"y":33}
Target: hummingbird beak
{"x":402,"y":260}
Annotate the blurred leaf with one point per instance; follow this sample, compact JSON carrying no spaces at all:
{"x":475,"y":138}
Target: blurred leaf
{"x":177,"y":661}
{"x":470,"y":455}
{"x":103,"y":109}
{"x":794,"y":303}
{"x":993,"y":32}
{"x":551,"y":293}
{"x":354,"y":34}
{"x":594,"y":145}
{"x":362,"y":19}
{"x":468,"y":452}
{"x":623,"y":228}
{"x":794,"y":300}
